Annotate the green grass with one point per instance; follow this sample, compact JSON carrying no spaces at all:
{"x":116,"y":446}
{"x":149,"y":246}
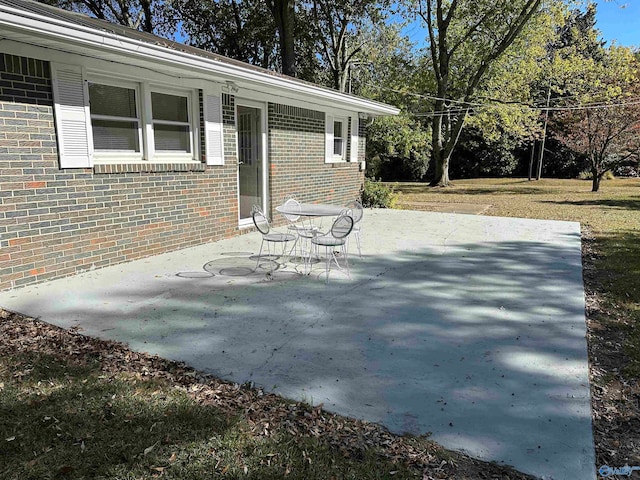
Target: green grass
{"x":611,"y":216}
{"x":60,"y":420}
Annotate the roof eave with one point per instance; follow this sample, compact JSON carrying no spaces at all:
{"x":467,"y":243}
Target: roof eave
{"x":132,"y":48}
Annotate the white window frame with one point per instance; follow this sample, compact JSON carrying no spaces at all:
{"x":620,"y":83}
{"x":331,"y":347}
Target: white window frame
{"x":108,"y":156}
{"x":146,"y":137}
{"x":190,"y":95}
{"x":341,"y":157}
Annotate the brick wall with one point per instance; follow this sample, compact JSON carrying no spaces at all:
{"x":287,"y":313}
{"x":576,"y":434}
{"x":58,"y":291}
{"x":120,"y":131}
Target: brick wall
{"x":297,"y":160}
{"x":56,"y":222}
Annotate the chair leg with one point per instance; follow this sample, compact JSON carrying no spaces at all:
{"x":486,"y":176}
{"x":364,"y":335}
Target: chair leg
{"x":259,"y":254}
{"x":327,"y":262}
{"x":345,"y":253}
{"x":357,"y":235}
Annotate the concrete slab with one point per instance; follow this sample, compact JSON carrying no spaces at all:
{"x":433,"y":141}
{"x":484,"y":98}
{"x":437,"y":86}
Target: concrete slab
{"x":468,"y":327}
{"x":467,"y":208}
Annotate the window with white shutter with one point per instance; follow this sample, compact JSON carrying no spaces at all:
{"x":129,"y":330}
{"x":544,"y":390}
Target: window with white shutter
{"x":71,"y":108}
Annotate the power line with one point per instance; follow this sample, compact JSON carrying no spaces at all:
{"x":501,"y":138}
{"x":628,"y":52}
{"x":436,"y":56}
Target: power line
{"x":507,"y":103}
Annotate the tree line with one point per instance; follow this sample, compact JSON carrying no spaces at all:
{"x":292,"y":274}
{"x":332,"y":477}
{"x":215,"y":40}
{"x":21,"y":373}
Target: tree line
{"x":488,"y":89}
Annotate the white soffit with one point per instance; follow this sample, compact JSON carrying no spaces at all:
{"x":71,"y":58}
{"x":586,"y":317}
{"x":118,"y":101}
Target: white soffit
{"x":58,"y":35}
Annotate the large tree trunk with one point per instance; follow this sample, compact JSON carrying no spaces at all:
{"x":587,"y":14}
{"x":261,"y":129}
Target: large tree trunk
{"x":439,"y":157}
{"x":441,"y":178}
{"x":595,"y":185}
{"x":284,"y":14}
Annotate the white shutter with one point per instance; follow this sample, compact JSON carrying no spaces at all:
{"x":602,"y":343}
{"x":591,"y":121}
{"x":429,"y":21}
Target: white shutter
{"x":354,"y":139}
{"x":71,"y":104}
{"x":213,"y":136}
{"x":328,"y":149}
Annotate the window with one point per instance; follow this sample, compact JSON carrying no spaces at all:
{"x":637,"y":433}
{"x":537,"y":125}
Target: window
{"x":103,"y":119}
{"x":114,"y":118}
{"x":335,"y":138}
{"x":118,"y":122}
{"x":171,"y":127}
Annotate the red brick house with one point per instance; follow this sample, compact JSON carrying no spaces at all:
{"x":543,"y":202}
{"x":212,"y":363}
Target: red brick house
{"x":117,"y":144}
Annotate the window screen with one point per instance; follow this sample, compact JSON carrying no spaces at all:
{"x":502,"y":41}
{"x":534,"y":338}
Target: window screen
{"x":114,"y":118}
{"x":171,"y":129}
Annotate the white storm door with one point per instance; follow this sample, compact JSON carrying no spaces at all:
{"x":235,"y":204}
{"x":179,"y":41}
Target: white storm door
{"x":252,"y":169}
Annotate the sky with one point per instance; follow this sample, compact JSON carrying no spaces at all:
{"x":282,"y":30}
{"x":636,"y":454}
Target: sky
{"x":619,"y":20}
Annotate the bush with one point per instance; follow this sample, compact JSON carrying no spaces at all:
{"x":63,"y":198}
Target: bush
{"x":398,"y":148}
{"x":586,"y":175}
{"x":377,"y":194}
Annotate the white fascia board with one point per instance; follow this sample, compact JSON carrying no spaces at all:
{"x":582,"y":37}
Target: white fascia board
{"x":59,"y":30}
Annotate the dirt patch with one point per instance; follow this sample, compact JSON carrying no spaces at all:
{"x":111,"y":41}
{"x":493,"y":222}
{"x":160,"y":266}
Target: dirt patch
{"x":615,"y":396}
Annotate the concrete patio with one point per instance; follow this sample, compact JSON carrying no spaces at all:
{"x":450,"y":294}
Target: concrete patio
{"x":468,"y":327}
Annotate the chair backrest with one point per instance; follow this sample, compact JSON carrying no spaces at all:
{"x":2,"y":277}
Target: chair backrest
{"x":357,"y":211}
{"x":293,"y":205}
{"x":342,"y":226}
{"x":260,"y":220}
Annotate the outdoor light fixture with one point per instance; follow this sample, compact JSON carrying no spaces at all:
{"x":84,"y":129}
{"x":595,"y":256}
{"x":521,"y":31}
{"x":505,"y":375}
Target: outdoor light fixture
{"x":230,"y":87}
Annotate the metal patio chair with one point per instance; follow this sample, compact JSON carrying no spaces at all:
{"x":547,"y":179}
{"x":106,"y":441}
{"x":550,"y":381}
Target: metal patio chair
{"x":269,"y":235}
{"x":336,"y":237}
{"x":304,"y":229}
{"x":357,"y":212}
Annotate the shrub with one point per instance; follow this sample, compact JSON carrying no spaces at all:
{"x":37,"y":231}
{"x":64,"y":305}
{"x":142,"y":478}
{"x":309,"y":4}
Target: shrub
{"x":377,"y":194}
{"x":587,"y":175}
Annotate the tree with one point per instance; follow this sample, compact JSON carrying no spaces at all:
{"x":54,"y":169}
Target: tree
{"x":146,"y":15}
{"x":283,"y":12}
{"x":466,"y":38}
{"x":340,"y":26}
{"x":398,"y":149}
{"x":604,"y":123}
{"x":242,"y":30}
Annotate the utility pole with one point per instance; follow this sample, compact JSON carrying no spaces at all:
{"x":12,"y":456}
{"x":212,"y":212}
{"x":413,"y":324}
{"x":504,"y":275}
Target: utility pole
{"x":544,"y":134}
{"x":533,"y":149}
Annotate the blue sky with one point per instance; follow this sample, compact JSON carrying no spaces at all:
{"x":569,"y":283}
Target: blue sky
{"x":619,"y":20}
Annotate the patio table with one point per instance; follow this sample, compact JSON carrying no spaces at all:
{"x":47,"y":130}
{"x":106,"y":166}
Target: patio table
{"x":310,"y":210}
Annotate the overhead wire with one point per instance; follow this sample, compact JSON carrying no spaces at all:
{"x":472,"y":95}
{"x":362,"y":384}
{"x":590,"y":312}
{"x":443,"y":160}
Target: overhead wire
{"x":513,"y":104}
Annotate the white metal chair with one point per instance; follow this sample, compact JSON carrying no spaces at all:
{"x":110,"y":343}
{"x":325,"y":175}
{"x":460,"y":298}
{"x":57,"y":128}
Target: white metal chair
{"x":336,"y":237}
{"x":357,"y":212}
{"x":270,"y":236}
{"x":303,"y":228}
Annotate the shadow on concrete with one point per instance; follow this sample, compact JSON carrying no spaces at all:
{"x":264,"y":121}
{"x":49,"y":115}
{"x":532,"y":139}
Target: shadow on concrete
{"x":440,"y":343}
{"x":482,"y":344}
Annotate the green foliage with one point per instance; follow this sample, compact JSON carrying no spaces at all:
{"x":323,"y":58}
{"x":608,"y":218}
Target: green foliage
{"x":480,"y":156}
{"x":245,"y":32}
{"x":378,"y":195}
{"x":397,"y":149}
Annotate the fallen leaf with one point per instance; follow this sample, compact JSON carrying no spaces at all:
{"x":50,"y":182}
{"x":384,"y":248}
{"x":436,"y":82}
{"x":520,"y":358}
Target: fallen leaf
{"x":149,"y":449}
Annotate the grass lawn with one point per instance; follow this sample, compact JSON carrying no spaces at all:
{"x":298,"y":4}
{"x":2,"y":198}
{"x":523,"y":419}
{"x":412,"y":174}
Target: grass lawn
{"x":610,"y":222}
